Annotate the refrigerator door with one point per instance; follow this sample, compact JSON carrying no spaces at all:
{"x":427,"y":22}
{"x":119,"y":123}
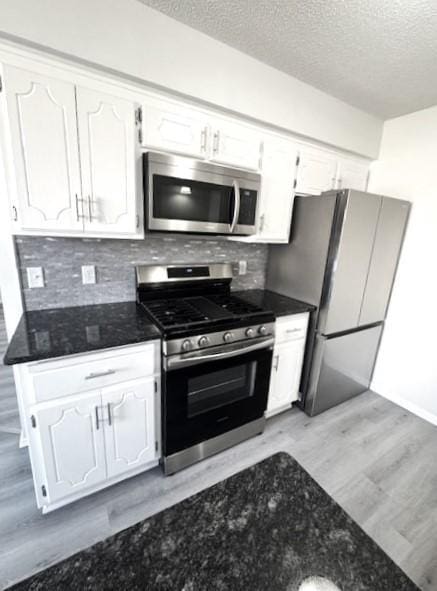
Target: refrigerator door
{"x":297,"y":269}
{"x":348,"y":261}
{"x":390,"y":232}
{"x":342,"y":368}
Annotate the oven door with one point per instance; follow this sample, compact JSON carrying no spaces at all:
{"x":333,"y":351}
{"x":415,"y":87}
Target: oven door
{"x":212,"y":397}
{"x":200,"y":199}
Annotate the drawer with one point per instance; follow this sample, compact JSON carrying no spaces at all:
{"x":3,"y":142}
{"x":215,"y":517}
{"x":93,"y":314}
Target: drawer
{"x":56,"y":379}
{"x":290,"y":328}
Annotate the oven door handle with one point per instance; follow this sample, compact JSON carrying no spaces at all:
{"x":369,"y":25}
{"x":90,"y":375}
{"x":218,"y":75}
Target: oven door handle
{"x":185,"y":360}
{"x":236,"y":215}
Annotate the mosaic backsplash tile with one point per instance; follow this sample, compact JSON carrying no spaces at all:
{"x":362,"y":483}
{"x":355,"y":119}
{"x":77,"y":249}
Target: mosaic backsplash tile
{"x":115,"y":261}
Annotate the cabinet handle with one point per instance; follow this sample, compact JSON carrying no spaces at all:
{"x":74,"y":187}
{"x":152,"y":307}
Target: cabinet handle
{"x":262,"y":220}
{"x":203,"y":139}
{"x":216,"y":142}
{"x":277,"y":362}
{"x":99,"y":374}
{"x":14,"y":209}
{"x":109,"y":414}
{"x":291,"y":330}
{"x":96,"y":408}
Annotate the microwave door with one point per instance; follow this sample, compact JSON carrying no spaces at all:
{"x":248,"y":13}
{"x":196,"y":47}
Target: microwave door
{"x":189,"y":205}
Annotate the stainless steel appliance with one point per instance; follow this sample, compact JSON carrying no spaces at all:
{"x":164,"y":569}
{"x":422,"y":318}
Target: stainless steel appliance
{"x":187,"y":195}
{"x":342,"y":257}
{"x":216,"y":358}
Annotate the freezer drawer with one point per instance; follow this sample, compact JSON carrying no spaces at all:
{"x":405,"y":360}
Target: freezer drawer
{"x":342,"y":367}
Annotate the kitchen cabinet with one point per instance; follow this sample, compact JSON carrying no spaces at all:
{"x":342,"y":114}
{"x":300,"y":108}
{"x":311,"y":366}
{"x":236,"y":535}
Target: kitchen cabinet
{"x":317,"y":171}
{"x":109,"y":429}
{"x":277,"y":192}
{"x":174,"y":128}
{"x":352,"y":174}
{"x":76,"y":159}
{"x":44,"y":143}
{"x":235,"y":144}
{"x":108,"y":148}
{"x":288,"y":354}
{"x":130,"y":428}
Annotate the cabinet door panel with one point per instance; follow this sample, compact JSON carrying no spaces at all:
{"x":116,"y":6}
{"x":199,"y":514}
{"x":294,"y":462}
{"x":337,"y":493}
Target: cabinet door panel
{"x":130,"y":428}
{"x":109,"y":159}
{"x":235,"y":145}
{"x":72,"y":445}
{"x":317,"y":172}
{"x":286,"y":371}
{"x":352,"y":175}
{"x":42,"y":119}
{"x":173,"y":129}
{"x":276,"y":198}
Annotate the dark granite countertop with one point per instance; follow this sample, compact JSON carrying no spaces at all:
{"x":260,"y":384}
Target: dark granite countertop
{"x":46,"y":334}
{"x":279,"y":304}
{"x":268,"y":528}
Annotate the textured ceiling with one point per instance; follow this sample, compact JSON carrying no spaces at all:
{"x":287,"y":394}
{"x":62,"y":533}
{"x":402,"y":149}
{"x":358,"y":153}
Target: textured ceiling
{"x":378,"y":55}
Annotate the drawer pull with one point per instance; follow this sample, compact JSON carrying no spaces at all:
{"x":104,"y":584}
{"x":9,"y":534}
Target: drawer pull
{"x":291,"y":330}
{"x":99,"y":374}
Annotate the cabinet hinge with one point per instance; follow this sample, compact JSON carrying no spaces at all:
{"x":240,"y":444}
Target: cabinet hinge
{"x":44,"y":491}
{"x":33,"y":421}
{"x":140,"y":135}
{"x":297,"y":160}
{"x":138,"y":221}
{"x":295,"y":183}
{"x":156,"y":446}
{"x":1,"y":84}
{"x":138,"y":116}
{"x":156,"y":386}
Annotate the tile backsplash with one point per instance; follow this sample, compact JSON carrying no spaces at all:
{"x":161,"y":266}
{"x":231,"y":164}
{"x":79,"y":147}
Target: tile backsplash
{"x":115,"y":260}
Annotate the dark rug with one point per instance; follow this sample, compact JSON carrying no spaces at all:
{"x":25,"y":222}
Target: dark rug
{"x":267,"y":528}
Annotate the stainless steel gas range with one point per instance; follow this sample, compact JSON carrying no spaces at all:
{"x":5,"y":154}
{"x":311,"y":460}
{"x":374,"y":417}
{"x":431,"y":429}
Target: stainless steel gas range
{"x":216,"y":359}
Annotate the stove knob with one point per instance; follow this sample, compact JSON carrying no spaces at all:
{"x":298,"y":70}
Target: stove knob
{"x":262,"y":330}
{"x":228,"y":336}
{"x":187,"y":345}
{"x":250,"y":333}
{"x":203,"y":341}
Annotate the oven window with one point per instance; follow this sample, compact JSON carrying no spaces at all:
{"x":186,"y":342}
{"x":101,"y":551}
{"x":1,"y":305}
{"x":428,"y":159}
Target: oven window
{"x":179,"y":199}
{"x":220,"y":388}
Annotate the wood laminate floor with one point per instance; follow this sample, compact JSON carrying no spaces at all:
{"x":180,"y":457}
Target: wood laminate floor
{"x":375,"y":459}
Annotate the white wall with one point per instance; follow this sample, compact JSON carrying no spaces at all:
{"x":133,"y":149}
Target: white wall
{"x":406,"y":371}
{"x":130,"y":38}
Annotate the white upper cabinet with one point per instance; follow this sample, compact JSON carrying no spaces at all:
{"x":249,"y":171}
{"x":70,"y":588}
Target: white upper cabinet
{"x":43,"y":130}
{"x":352,"y":174}
{"x":109,"y":154}
{"x":130,"y":427}
{"x":174,"y":128}
{"x":277,"y":192}
{"x":70,"y":439}
{"x":317,"y":171}
{"x":234,"y":144}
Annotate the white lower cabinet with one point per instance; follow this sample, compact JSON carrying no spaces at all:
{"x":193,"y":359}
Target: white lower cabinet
{"x":130,"y":433}
{"x":84,"y":442}
{"x":287,"y":362}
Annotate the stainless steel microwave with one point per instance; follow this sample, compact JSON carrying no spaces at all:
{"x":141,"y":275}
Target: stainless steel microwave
{"x":187,"y":195}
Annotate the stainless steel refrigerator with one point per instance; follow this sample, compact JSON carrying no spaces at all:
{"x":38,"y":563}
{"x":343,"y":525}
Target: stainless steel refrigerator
{"x":342,"y":257}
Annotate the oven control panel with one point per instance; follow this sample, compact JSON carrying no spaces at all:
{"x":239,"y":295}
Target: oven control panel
{"x":198,"y":342}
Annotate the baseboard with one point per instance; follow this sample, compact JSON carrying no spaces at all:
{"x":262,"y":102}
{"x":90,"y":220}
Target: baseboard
{"x":410,"y":406}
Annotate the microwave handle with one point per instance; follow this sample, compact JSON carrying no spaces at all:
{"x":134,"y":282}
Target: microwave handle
{"x":236,"y":215}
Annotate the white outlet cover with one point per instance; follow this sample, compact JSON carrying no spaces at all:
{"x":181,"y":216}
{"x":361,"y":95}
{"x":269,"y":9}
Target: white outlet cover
{"x":242,"y":267}
{"x":88,"y":274}
{"x":35,"y":277}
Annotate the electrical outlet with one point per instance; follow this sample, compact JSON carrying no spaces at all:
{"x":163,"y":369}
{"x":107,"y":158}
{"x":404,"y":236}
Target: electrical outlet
{"x":35,"y":277}
{"x":88,"y":274}
{"x":242,"y":267}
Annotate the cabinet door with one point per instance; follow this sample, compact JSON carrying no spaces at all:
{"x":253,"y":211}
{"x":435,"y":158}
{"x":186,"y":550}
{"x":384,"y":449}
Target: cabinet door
{"x":352,"y":175}
{"x":317,"y":172}
{"x":277,"y":192}
{"x":71,"y":443}
{"x":235,"y":145}
{"x":168,"y":127}
{"x":43,"y":128}
{"x":130,"y":427}
{"x":285,"y":377}
{"x":109,"y":150}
